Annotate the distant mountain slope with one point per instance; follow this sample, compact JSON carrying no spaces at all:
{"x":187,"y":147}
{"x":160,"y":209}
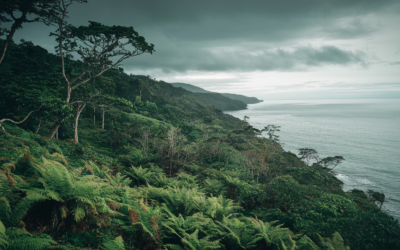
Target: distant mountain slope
{"x":162,"y":89}
{"x":195,"y":89}
{"x":243,"y":98}
{"x":220,"y":101}
{"x":189,"y":87}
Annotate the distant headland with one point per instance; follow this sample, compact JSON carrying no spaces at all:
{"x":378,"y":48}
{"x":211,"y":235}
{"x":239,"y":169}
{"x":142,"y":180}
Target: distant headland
{"x":195,"y":89}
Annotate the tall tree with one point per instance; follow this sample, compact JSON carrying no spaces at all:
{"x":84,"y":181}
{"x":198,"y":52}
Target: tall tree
{"x":376,"y":197}
{"x":85,"y":94}
{"x":100,"y":48}
{"x":331,"y":162}
{"x":308,"y":155}
{"x":271,"y":129}
{"x":17,"y":12}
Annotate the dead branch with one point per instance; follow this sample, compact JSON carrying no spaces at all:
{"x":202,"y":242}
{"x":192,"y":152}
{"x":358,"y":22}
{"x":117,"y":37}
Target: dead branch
{"x":6,"y":119}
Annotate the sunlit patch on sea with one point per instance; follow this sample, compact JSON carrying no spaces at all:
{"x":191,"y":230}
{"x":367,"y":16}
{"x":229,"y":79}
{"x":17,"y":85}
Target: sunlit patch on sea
{"x":366,"y":132}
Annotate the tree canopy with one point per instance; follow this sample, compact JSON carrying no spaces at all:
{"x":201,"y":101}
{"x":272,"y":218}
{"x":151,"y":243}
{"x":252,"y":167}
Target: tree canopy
{"x":18,"y":12}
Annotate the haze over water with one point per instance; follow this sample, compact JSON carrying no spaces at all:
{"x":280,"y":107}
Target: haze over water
{"x":366,"y":132}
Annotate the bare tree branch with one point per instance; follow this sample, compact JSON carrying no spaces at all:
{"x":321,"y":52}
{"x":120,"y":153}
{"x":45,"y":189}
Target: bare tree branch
{"x":6,"y":119}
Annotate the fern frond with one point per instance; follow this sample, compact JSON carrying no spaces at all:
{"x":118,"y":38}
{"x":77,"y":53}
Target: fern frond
{"x":187,"y":243}
{"x":79,"y":213}
{"x":8,"y":166}
{"x":20,"y":239}
{"x":230,"y":232}
{"x":116,"y":244}
{"x":306,"y":243}
{"x":174,"y":247}
{"x":45,"y":193}
{"x":336,"y":242}
{"x":63,"y":212}
{"x":62,"y":157}
{"x":5,"y":209}
{"x":3,"y":237}
{"x":19,"y":212}
{"x":2,"y":228}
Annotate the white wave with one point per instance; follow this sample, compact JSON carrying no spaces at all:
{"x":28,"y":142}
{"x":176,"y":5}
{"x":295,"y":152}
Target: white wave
{"x":364,"y":181}
{"x":342,"y":177}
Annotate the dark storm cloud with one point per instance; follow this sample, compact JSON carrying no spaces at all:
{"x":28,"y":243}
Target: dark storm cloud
{"x":235,"y":34}
{"x":352,"y":28}
{"x":296,"y":59}
{"x":235,"y":19}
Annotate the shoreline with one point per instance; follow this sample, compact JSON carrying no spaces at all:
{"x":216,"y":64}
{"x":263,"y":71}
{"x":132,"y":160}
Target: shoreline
{"x":358,"y":171}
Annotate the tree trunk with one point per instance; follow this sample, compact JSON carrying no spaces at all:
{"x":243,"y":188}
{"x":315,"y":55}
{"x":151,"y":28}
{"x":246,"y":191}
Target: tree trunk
{"x":40,"y":122}
{"x":102,"y":124}
{"x":17,"y":24}
{"x":3,"y":52}
{"x":69,"y":89}
{"x":54,"y":130}
{"x":94,"y":116}
{"x":80,"y":107}
{"x":57,"y":134}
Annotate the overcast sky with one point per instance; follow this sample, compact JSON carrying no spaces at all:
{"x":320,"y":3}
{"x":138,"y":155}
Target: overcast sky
{"x":287,"y":49}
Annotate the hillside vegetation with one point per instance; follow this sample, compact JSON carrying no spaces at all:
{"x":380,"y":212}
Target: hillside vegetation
{"x":195,"y":89}
{"x":136,"y":163}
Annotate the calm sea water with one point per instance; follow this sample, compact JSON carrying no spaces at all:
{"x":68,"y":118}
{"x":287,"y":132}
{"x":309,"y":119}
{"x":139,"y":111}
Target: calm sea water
{"x":365,"y":132}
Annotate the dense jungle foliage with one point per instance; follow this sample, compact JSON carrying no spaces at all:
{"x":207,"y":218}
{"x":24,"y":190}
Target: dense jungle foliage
{"x":157,"y":167}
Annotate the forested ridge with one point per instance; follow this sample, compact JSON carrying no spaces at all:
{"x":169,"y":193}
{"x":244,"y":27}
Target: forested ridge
{"x":106,"y":160}
{"x":195,"y":89}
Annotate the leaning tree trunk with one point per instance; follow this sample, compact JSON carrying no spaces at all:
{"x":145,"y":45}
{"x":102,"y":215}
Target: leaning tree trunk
{"x":6,"y":119}
{"x":54,"y":130}
{"x":6,"y":42}
{"x":40,"y":122}
{"x":80,"y":107}
{"x":14,"y":27}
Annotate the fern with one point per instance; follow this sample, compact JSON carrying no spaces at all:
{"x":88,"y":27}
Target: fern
{"x":218,"y":207}
{"x":232,"y":229}
{"x":142,"y":176}
{"x":336,"y":242}
{"x":3,"y":237}
{"x":174,"y":247}
{"x":184,"y":200}
{"x":306,"y":243}
{"x":62,"y":158}
{"x":215,"y":187}
{"x":19,"y":239}
{"x":21,"y":209}
{"x":272,"y":235}
{"x":116,"y":244}
{"x":188,"y":230}
{"x":79,"y":213}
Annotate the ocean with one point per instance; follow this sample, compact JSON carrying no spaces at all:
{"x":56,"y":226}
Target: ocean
{"x":366,"y":132}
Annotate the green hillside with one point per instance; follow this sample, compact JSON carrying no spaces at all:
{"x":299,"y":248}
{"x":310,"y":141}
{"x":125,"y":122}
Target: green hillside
{"x":195,"y":89}
{"x":189,"y":87}
{"x":136,"y":163}
{"x":245,"y":99}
